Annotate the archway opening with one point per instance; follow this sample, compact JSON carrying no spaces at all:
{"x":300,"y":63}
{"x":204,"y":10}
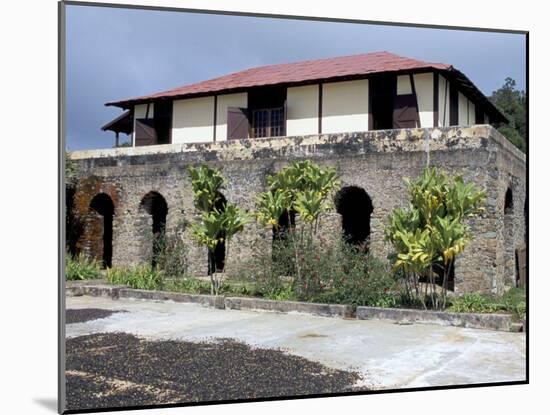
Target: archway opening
{"x":281,"y":256}
{"x":216,"y":260}
{"x":155,"y":205}
{"x":355,"y":206}
{"x":286,"y":222}
{"x":439,"y":271}
{"x":102,"y":204}
{"x":508,"y":202}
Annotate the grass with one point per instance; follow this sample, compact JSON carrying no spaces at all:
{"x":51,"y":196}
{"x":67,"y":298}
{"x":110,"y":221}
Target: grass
{"x":81,"y":268}
{"x":144,"y":277}
{"x":139,"y":277}
{"x":514,"y":302}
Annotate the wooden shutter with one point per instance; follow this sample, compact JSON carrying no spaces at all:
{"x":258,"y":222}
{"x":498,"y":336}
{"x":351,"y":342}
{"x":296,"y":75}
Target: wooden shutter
{"x":145,"y":132}
{"x":285,"y":114}
{"x":405,"y":111}
{"x":237,"y":123}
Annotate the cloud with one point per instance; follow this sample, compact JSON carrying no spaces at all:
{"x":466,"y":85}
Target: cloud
{"x":117,"y":53}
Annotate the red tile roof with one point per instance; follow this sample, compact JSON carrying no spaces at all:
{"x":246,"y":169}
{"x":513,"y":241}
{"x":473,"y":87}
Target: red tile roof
{"x":294,"y":73}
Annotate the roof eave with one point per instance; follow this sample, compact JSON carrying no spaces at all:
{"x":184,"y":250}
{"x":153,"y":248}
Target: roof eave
{"x":494,"y":113}
{"x":128,"y":103}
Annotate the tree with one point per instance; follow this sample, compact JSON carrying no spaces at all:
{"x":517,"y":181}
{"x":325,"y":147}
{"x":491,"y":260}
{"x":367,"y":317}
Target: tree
{"x":304,"y":188}
{"x":431,"y":232}
{"x":217,"y":225}
{"x":513,"y":103}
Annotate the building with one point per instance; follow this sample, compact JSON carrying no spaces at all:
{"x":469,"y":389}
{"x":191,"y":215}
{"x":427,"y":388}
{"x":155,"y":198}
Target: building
{"x":373,"y":91}
{"x":375,"y":117}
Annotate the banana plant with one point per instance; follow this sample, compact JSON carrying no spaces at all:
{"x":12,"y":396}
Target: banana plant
{"x":430,"y":233}
{"x":271,"y":205}
{"x":207,"y":184}
{"x":309,"y":205}
{"x":217,"y":225}
{"x":303,"y":187}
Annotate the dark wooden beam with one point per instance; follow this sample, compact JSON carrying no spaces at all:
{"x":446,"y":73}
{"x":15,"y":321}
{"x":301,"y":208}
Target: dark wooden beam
{"x":320,"y":112}
{"x":436,"y":99}
{"x":215,"y":116}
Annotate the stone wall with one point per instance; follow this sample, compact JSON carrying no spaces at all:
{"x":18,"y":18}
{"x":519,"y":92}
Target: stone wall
{"x":376,"y":161}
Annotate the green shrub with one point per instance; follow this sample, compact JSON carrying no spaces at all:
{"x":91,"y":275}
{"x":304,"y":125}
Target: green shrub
{"x":140,"y":277}
{"x":329,"y":273}
{"x":81,"y":268}
{"x":352,"y":276}
{"x":171,"y":254}
{"x":265,"y":273}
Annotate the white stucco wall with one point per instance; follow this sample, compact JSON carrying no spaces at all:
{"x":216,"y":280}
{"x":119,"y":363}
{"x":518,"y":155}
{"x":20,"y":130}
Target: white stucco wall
{"x":224,"y":101}
{"x":193,"y":120}
{"x":404,"y":85}
{"x":302,"y":105}
{"x":140,"y":111}
{"x":345,"y":106}
{"x":462,"y":109}
{"x":471,"y":113}
{"x":444,"y":102}
{"x":424,"y":86}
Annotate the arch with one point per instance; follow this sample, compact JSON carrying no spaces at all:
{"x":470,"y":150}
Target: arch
{"x":508,"y":202}
{"x":103,"y":205}
{"x":355,"y":206}
{"x":155,"y":205}
{"x":216,"y":260}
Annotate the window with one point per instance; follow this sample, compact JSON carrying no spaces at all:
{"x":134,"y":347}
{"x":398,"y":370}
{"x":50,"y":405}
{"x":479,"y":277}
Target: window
{"x":267,"y":113}
{"x":268,"y":122}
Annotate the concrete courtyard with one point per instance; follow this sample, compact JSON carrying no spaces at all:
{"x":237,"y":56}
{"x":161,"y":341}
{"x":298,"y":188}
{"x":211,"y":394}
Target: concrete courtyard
{"x":385,"y":355}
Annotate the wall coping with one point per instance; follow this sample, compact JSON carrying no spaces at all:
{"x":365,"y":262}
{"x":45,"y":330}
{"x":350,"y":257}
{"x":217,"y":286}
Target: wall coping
{"x":239,"y":149}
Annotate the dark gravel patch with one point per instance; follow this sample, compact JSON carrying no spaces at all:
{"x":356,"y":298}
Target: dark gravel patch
{"x":119,"y":369}
{"x":74,"y":315}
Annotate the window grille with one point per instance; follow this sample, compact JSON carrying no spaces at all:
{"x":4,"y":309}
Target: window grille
{"x":268,"y":122}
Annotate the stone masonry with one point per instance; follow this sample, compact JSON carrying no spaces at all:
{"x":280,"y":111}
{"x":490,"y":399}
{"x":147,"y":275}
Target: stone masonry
{"x":375,"y":161}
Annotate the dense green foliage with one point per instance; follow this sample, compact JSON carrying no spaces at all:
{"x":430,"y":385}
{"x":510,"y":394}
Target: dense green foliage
{"x":431,"y":232}
{"x":513,"y":103}
{"x":333,"y":273}
{"x":81,"y":268}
